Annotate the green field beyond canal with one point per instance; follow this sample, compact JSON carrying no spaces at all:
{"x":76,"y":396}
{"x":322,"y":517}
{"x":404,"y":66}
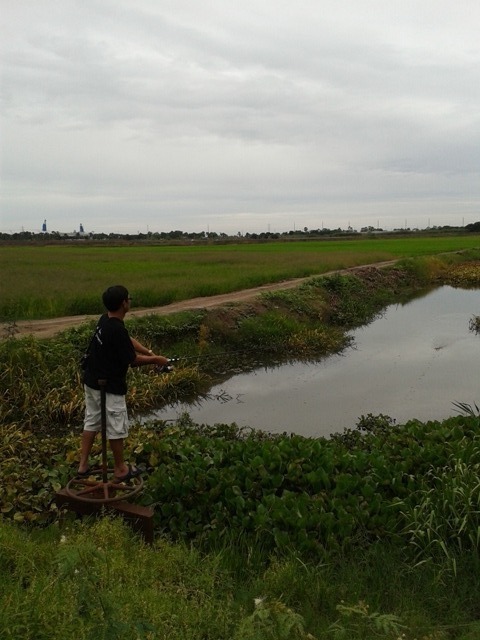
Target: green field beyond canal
{"x":53,"y":281}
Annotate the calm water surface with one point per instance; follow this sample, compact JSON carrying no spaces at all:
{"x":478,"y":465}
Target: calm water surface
{"x":413,"y":362}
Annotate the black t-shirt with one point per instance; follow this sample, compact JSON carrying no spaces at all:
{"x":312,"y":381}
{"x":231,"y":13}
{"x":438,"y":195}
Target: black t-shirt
{"x":111,"y":353}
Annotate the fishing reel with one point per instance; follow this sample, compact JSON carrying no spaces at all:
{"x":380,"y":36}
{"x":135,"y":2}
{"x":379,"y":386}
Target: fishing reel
{"x":169,"y":366}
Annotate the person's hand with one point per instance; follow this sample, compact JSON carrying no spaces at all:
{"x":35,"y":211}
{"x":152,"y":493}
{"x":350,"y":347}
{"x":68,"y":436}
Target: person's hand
{"x":165,"y":365}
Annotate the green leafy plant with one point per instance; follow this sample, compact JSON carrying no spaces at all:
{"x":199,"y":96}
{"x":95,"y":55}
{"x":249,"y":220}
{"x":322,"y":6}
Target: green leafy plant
{"x":357,"y":621}
{"x":272,"y":621}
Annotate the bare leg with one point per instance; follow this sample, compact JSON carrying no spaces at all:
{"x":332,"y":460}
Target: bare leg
{"x":120,"y":468}
{"x":88,"y":438}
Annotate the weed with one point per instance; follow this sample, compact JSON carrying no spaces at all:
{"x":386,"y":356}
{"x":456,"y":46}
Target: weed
{"x":474,"y":324}
{"x":357,"y":621}
{"x":272,"y":621}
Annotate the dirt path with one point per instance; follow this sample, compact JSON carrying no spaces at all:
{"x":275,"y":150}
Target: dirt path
{"x":50,"y":327}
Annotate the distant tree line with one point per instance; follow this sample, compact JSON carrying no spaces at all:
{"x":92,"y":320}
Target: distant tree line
{"x":178,"y":236}
{"x":474,"y":226}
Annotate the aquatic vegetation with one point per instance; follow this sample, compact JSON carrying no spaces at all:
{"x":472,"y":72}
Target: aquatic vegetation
{"x":463,"y":275}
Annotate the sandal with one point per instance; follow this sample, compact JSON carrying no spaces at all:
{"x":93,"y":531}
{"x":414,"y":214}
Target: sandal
{"x":133,"y":472}
{"x":84,"y":474}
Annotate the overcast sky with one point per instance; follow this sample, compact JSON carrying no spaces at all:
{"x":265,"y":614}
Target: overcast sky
{"x":239,"y":115}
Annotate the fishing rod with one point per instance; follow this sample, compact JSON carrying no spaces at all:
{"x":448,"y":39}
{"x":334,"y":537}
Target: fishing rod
{"x":171,"y":361}
{"x":221,"y":353}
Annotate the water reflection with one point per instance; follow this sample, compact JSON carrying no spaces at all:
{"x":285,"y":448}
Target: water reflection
{"x":413,"y":362}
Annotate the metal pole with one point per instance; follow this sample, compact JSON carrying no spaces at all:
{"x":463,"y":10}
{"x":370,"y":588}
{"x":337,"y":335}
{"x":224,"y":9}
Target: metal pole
{"x":103,"y":403}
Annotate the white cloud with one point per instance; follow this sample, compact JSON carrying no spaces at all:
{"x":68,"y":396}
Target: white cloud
{"x":239,"y":116}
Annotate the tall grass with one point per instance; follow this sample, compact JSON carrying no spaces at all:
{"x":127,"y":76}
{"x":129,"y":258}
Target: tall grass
{"x":96,"y":580}
{"x":53,"y":281}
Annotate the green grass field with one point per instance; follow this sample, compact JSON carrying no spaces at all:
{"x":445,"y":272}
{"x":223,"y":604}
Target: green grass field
{"x":52,"y":281}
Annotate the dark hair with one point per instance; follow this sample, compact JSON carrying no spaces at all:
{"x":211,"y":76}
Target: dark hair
{"x":114,"y":296}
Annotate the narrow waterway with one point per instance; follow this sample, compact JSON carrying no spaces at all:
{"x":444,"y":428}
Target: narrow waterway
{"x":413,"y":362}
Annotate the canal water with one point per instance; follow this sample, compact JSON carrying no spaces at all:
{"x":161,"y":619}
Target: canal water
{"x":414,"y":361}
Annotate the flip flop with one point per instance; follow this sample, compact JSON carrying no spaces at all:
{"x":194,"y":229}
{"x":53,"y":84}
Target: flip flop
{"x":84,"y":474}
{"x":133,"y":472}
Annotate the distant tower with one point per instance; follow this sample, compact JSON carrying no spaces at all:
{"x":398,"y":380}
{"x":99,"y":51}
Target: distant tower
{"x":44,"y":227}
{"x":81,"y":228}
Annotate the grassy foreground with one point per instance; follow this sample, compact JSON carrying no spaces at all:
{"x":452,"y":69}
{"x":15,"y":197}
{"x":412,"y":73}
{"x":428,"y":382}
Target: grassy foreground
{"x":96,"y":581}
{"x":400,"y":563}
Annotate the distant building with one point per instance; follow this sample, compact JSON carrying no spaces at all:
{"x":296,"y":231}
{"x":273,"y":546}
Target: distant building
{"x":77,"y":234}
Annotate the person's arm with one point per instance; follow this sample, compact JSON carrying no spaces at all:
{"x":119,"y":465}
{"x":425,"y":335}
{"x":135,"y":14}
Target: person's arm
{"x":146,"y":356}
{"x":141,"y":360}
{"x":139,"y":348}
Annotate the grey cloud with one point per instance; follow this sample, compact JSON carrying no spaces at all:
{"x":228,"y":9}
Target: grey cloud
{"x":261,"y":109}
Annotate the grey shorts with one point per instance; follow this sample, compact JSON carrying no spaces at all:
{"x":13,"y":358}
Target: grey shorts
{"x":117,"y":418}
